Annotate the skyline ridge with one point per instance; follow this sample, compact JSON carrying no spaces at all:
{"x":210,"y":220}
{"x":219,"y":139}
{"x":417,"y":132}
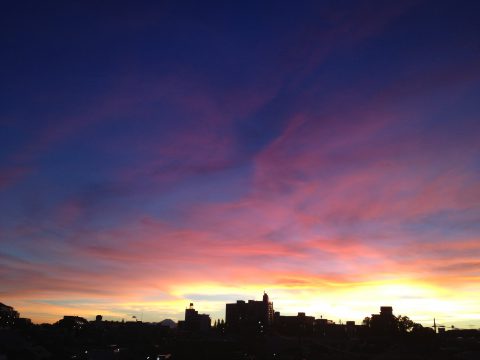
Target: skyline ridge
{"x":289,"y":312}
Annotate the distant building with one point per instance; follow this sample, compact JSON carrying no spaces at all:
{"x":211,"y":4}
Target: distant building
{"x":252,"y":315}
{"x":194,"y":321}
{"x":327,"y":328}
{"x":386,"y":311}
{"x":384,"y":323}
{"x":294,"y":325}
{"x":8,"y":316}
{"x":350,"y":328}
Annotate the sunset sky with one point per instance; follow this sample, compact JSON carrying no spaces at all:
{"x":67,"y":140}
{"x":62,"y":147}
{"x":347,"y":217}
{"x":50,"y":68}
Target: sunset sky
{"x":159,"y":153}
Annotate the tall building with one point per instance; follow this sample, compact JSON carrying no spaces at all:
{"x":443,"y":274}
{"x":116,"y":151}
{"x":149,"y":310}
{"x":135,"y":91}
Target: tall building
{"x":269,"y":308}
{"x":195,"y":321}
{"x":252,"y":315}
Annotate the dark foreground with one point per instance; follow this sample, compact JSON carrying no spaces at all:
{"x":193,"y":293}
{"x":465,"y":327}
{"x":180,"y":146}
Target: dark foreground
{"x":154,"y":341}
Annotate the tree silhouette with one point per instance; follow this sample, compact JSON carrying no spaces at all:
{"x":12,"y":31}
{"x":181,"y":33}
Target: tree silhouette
{"x":366,"y":321}
{"x":405,"y":324}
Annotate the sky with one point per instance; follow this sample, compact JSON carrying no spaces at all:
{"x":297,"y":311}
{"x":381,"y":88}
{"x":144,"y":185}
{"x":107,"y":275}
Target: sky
{"x":159,"y":153}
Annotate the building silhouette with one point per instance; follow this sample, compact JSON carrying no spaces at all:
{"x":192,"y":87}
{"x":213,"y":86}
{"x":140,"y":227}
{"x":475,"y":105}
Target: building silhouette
{"x":299,"y":324}
{"x":194,"y":321}
{"x":250,"y":316}
{"x":384,"y":323}
{"x":8,"y":316}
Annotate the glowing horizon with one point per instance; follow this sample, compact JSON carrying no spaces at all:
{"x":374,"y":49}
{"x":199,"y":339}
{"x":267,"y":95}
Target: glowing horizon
{"x":157,"y":155}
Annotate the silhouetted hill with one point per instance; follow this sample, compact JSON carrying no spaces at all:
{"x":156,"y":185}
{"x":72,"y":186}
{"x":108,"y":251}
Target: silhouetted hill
{"x":169,"y":322}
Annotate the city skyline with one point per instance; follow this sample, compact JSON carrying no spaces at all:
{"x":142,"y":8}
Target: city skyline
{"x":155,"y":154}
{"x":251,"y":329}
{"x":221,"y":315}
{"x":239,"y":316}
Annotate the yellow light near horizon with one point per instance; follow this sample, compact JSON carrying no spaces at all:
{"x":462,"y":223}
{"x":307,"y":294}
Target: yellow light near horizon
{"x":418,"y":300}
